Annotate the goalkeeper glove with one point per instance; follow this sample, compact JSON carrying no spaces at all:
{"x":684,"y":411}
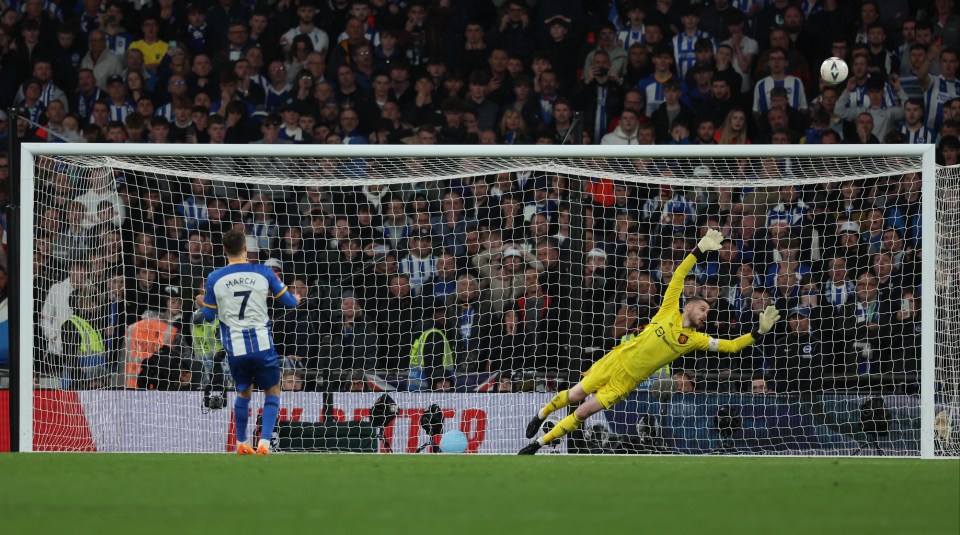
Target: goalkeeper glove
{"x":711,"y":242}
{"x":768,"y":318}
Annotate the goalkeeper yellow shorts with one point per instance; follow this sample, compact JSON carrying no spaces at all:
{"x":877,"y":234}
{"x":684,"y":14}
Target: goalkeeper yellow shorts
{"x":609,"y":380}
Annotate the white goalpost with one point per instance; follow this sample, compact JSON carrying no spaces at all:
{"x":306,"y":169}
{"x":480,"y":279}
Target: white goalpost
{"x":465,"y":285}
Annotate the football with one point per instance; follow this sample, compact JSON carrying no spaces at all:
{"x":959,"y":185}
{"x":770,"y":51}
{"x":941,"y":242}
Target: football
{"x":834,"y":70}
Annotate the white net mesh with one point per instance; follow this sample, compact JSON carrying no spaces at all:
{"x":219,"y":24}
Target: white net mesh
{"x":522,"y":272}
{"x":947,"y":422}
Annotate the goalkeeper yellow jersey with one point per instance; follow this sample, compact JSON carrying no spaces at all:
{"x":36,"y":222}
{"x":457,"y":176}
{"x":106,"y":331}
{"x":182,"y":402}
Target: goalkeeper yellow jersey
{"x":665,"y":338}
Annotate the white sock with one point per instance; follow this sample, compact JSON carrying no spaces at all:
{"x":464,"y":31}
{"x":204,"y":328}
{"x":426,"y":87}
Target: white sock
{"x":541,"y":442}
{"x":542,"y":415}
{"x":263,"y":442}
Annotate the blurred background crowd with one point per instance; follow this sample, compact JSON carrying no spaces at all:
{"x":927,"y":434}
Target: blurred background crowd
{"x":432,"y":285}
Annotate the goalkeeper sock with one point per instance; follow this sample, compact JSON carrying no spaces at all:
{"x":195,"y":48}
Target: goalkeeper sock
{"x":567,"y":425}
{"x":558,"y":402}
{"x":271,"y":408}
{"x":241,"y":412}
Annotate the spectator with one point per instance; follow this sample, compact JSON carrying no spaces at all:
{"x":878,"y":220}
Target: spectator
{"x":781,"y":116}
{"x":43,"y":76}
{"x":670,"y":112}
{"x":450,"y":226}
{"x":443,"y":286}
{"x":505,"y":272}
{"x":905,"y":331}
{"x":562,"y":49}
{"x":742,"y":48}
{"x":616,"y":54}
{"x":149,"y":340}
{"x":297,"y":337}
{"x":839,"y":289}
{"x":598,"y":287}
{"x":524,"y":103}
{"x":626,"y":131}
{"x":633,"y":30}
{"x":701,"y":89}
{"x":270,"y":131}
{"x":306,"y":12}
{"x":279,"y":88}
{"x":639,"y":65}
{"x":291,"y":381}
{"x":56,"y":307}
{"x":472,"y":321}
{"x":423,"y":108}
{"x":653,"y":86}
{"x":872,"y":322}
{"x":634,"y":305}
{"x":540,"y":313}
{"x":913,"y":124}
{"x":419,"y":265}
{"x":513,"y":130}
{"x":353,"y":340}
{"x":118,"y":39}
{"x":601,"y":95}
{"x":100,"y":60}
{"x":796,"y":96}
{"x":799,"y":354}
{"x":152,"y":48}
{"x":388,"y":51}
{"x":685,"y":41}
{"x":946,"y":24}
{"x":514,"y":32}
{"x":939,"y":88}
{"x":506,"y":351}
{"x":395,"y":322}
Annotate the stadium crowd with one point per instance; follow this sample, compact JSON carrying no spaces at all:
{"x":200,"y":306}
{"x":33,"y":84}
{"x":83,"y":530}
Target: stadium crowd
{"x":518,"y":271}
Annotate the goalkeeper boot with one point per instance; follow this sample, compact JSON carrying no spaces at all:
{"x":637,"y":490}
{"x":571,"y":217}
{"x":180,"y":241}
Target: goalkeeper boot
{"x":245,"y":449}
{"x":263,"y":448}
{"x":530,"y":449}
{"x":534,"y":426}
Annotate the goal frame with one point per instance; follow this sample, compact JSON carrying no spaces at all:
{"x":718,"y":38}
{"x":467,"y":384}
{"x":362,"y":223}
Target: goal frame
{"x":22,"y":204}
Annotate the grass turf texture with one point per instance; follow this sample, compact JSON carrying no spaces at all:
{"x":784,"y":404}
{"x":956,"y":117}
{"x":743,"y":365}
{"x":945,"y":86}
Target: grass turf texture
{"x":91,"y":493}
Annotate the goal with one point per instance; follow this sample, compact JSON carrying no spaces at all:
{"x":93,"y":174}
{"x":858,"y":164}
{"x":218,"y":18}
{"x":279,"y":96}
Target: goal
{"x":454,"y":288}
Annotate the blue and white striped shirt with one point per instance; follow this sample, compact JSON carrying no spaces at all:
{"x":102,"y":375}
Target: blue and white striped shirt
{"x":275,"y":98}
{"x":630,"y":36}
{"x":939,"y":92}
{"x":840,"y":294}
{"x":420,"y":270}
{"x":653,"y":92}
{"x":263,"y":231}
{"x":120,"y":112}
{"x":858,"y":98}
{"x":683,"y":49}
{"x":118,"y":44}
{"x":194,"y":211}
{"x":810,"y":8}
{"x":237,"y":295}
{"x":796,"y":96}
{"x":792,"y":215}
{"x":919,"y":136}
{"x":165,"y":111}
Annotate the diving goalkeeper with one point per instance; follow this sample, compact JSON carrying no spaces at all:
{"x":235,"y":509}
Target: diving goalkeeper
{"x":671,"y":333}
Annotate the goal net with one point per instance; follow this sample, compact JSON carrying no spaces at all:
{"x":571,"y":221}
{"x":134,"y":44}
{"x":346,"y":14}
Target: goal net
{"x":459,"y":291}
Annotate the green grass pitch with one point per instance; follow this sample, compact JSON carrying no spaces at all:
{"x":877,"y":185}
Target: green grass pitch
{"x":426,"y":494}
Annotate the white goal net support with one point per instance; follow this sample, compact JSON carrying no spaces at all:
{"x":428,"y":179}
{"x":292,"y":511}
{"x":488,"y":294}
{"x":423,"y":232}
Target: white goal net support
{"x":465,"y":286}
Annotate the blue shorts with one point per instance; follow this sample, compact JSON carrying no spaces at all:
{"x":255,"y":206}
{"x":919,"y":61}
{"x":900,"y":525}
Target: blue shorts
{"x":262,"y":370}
